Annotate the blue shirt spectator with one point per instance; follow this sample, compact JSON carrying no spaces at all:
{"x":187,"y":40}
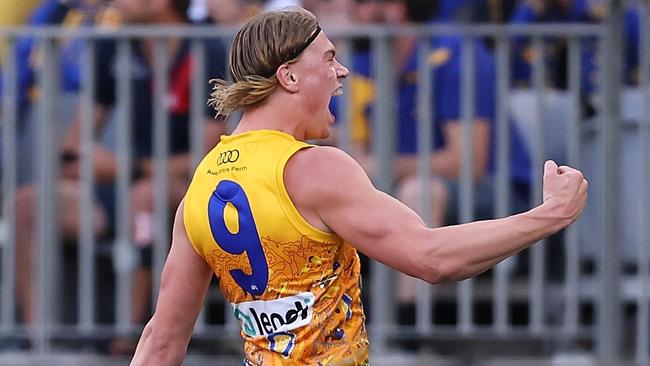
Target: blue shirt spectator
{"x":632,"y":34}
{"x":53,"y":12}
{"x":460,"y":10}
{"x":555,"y":55}
{"x":445,"y":59}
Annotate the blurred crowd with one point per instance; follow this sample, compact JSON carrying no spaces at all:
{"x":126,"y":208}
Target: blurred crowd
{"x":445,"y":59}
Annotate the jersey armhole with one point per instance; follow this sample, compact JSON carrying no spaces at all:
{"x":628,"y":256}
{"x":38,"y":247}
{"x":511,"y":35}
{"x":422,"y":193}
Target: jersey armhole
{"x":290,"y":210}
{"x":186,"y":225}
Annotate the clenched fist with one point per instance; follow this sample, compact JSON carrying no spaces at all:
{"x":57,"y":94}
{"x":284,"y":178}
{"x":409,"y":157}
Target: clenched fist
{"x":565,"y":190}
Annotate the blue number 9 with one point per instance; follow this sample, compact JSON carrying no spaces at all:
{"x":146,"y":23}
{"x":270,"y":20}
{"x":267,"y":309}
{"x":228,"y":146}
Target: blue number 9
{"x":245,"y":240}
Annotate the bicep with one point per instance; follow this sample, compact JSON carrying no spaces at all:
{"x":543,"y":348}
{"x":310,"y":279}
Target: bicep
{"x":382,"y":228}
{"x":377,"y":224}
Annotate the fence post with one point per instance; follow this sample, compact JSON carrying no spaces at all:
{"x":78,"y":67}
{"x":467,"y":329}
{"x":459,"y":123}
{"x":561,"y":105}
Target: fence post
{"x":383,"y":142}
{"x":609,"y":311}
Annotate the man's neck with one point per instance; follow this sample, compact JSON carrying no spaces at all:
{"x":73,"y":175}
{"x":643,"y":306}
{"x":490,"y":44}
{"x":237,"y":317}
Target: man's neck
{"x":269,"y":117}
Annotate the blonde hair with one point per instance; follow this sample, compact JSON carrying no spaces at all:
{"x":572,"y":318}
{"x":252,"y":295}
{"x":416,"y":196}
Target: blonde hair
{"x":263,"y":44}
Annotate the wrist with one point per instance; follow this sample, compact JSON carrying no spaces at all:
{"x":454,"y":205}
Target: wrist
{"x":548,"y":213}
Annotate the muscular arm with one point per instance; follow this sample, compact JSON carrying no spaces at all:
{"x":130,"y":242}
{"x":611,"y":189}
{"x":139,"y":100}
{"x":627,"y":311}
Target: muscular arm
{"x":338,"y":196}
{"x":184,"y":283}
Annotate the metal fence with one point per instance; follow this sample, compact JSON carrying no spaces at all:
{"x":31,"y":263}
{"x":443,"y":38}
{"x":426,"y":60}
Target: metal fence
{"x":586,"y":310}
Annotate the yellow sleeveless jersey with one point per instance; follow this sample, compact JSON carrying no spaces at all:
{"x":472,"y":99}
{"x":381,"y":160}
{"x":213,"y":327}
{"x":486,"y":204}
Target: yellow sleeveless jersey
{"x":295,"y":289}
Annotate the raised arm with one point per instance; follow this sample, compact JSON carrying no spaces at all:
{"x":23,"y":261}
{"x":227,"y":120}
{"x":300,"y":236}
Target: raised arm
{"x":331,"y":190}
{"x":184,"y":283}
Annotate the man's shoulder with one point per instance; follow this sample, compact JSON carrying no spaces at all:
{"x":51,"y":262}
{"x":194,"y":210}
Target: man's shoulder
{"x":319,"y":157}
{"x":322,"y":180}
{"x":319,"y":168}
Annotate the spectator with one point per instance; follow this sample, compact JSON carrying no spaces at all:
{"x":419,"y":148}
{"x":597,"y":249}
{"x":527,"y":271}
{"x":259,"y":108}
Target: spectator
{"x":459,"y":10}
{"x":332,"y":13}
{"x":72,"y":14}
{"x":555,"y":49}
{"x":67,"y":14}
{"x":632,"y":34}
{"x":169,"y":12}
{"x":13,"y":14}
{"x":496,"y":11}
{"x":233,"y":12}
{"x":445,"y":61}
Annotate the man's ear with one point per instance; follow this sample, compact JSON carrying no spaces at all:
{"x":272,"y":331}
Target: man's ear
{"x":287,"y":79}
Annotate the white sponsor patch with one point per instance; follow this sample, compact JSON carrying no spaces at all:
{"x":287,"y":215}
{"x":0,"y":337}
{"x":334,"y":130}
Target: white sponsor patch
{"x":261,"y":318}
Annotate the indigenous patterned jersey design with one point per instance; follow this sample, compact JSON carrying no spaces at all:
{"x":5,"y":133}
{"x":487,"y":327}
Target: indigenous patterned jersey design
{"x":295,"y":289}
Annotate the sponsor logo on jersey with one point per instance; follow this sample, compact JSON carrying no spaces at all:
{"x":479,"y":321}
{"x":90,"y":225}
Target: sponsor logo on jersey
{"x":228,"y":156}
{"x":262,"y":318}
